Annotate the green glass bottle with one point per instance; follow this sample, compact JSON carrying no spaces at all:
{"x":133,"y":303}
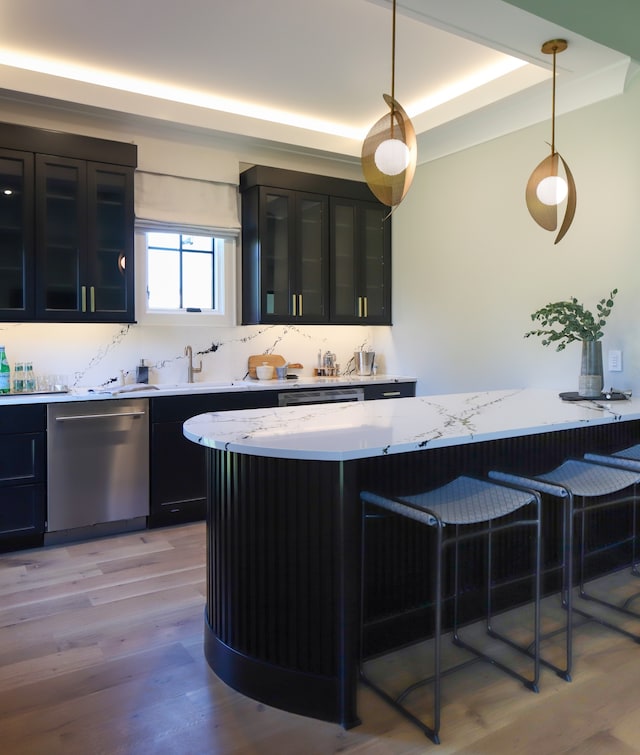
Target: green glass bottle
{"x":5,"y":372}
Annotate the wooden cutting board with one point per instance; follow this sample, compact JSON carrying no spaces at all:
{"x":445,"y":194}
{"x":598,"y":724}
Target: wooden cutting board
{"x":275,"y":360}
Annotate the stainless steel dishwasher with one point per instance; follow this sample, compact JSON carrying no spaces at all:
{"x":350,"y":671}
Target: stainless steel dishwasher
{"x":97,"y":465}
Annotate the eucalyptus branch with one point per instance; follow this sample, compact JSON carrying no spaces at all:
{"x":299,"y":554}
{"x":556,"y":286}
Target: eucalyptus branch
{"x":566,"y":321}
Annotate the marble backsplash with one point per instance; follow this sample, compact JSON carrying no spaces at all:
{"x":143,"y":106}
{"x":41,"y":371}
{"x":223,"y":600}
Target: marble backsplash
{"x":99,"y":355}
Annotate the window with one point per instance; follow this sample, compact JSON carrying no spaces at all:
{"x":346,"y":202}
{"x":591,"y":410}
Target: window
{"x":180,"y":271}
{"x":187,"y":273}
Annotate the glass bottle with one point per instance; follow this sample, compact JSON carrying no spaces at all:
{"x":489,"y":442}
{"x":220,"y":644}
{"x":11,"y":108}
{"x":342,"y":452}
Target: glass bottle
{"x":18,"y":377}
{"x":29,"y":378}
{"x":5,"y":372}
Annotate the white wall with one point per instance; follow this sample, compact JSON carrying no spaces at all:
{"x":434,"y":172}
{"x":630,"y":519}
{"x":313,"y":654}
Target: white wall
{"x":469,"y":264}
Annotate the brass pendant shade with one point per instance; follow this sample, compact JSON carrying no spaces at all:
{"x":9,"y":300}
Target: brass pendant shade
{"x":389,"y":155}
{"x":389,"y":151}
{"x":547,"y":188}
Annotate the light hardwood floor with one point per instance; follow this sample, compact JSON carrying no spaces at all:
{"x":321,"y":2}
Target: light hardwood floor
{"x":101,"y":653}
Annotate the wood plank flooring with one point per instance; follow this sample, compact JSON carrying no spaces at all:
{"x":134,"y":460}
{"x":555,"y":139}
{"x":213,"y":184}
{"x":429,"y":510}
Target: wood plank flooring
{"x":101,"y":654}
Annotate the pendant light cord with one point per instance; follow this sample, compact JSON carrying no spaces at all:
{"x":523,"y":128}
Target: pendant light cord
{"x":553,"y":105}
{"x":393,"y":53}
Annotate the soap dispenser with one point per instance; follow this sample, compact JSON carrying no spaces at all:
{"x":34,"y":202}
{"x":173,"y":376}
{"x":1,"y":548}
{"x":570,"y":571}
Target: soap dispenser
{"x":142,"y":372}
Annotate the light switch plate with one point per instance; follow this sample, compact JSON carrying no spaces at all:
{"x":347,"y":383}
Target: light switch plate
{"x":615,"y":360}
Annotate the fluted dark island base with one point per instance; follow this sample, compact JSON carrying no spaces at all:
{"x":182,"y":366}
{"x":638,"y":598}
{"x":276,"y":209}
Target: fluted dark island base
{"x":283,"y":582}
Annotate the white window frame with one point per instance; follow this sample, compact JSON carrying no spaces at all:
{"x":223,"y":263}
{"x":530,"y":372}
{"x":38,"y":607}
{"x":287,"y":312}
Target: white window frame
{"x":224,"y":315}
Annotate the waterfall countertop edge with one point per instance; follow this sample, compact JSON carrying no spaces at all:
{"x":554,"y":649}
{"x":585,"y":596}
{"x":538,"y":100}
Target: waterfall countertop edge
{"x":363,"y":429}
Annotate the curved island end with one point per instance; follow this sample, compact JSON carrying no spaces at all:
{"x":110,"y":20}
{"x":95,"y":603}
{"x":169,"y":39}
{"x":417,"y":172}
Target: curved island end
{"x":283,"y":599}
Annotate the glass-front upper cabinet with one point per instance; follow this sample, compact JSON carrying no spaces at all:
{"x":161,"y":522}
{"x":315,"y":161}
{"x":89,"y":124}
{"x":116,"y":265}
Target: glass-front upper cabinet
{"x":61,"y":229}
{"x":293,"y":251}
{"x":110,"y":240}
{"x":360,"y":245}
{"x":84,"y":240}
{"x":66,"y":227}
{"x":315,"y":249}
{"x":16,"y":235}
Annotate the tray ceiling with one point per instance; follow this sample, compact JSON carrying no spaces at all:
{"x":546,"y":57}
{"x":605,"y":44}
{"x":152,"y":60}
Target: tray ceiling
{"x":307,"y":75}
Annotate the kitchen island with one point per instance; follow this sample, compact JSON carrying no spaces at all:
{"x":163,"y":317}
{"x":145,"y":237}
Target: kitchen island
{"x":284,"y":524}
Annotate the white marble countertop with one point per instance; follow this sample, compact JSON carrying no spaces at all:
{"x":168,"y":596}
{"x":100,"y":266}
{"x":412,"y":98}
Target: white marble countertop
{"x":344,"y":431}
{"x":181,"y":389}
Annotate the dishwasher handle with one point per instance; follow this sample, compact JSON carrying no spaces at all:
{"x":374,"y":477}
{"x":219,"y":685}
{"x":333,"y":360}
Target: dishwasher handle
{"x":72,"y":418}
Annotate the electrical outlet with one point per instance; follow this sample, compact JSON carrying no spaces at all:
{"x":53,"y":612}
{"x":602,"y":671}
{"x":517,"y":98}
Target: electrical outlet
{"x":615,"y":360}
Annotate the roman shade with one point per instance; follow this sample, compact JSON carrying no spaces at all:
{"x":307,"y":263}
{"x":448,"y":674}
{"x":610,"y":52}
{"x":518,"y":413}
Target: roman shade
{"x":164,"y":199}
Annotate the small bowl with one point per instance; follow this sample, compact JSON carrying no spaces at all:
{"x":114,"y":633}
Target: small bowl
{"x":264,"y":371}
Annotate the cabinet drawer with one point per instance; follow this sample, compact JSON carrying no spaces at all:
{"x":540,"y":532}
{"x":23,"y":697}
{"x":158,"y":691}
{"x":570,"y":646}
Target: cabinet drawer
{"x":21,"y":459}
{"x":22,"y":418}
{"x":21,"y":512}
{"x":389,"y":390}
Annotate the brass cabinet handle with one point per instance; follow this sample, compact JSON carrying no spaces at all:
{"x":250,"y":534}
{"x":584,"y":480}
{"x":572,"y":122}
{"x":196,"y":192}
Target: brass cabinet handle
{"x":391,"y":394}
{"x":83,"y":295}
{"x":92,"y":291}
{"x":296,"y":305}
{"x":366,"y":306}
{"x":359,"y":306}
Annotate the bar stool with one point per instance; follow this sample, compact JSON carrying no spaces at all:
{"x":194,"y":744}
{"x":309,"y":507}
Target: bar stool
{"x":457,"y":512}
{"x":584,"y":487}
{"x":628,"y":458}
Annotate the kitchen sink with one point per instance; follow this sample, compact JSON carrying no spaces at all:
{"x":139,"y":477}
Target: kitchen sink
{"x":224,"y":385}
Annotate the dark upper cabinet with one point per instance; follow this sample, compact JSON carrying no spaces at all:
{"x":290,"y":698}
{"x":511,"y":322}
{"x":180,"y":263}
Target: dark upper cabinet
{"x":360,"y":262}
{"x":16,"y":235}
{"x":315,"y":250}
{"x":84,"y":239}
{"x":287,"y":260}
{"x":71,"y":256}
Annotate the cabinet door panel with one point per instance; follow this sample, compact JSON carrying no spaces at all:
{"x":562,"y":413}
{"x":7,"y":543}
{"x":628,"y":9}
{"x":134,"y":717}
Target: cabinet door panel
{"x":344,"y":286}
{"x":310,"y":283}
{"x":16,"y":235}
{"x":110,"y":243}
{"x":277,"y":242}
{"x":60,"y":235}
{"x":361,"y":262}
{"x":376,"y":263}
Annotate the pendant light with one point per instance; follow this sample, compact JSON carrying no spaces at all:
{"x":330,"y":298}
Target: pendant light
{"x":389,"y":150}
{"x":547,"y":189}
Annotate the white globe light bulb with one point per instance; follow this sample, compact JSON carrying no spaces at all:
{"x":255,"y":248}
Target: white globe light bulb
{"x":552,"y":190}
{"x":392,"y":157}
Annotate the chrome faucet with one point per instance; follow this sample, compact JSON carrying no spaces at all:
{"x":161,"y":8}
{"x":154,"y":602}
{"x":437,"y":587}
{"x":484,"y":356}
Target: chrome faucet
{"x":191,"y":370}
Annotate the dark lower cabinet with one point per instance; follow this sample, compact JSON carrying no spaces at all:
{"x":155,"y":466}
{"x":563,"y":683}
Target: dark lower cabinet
{"x":178,"y":482}
{"x":22,"y":476}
